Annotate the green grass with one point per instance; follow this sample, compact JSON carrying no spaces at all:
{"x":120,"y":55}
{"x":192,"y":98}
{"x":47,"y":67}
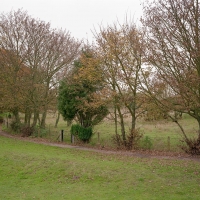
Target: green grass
{"x":35,"y":171}
{"x":162,"y":135}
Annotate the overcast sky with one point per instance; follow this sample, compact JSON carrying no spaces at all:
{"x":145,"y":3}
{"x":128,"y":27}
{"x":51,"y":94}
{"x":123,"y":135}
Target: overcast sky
{"x":78,"y":17}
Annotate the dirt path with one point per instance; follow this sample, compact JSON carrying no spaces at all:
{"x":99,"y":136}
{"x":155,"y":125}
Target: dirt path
{"x":138,"y":154}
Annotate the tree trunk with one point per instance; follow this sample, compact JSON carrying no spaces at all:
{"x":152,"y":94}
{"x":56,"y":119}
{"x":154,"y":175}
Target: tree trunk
{"x":27,"y":118}
{"x":181,"y":128}
{"x":198,"y":120}
{"x":122,"y":125}
{"x":43,"y":120}
{"x":16,"y":115}
{"x":57,"y":120}
{"x":115,"y":114}
{"x":133,"y":120}
{"x":35,"y":118}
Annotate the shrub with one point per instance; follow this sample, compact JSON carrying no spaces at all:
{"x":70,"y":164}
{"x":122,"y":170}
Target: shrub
{"x":131,"y":142}
{"x":27,"y":131}
{"x":133,"y":139}
{"x":146,"y":143}
{"x":84,"y":134}
{"x":118,"y":141}
{"x":192,"y":146}
{"x":40,"y":132}
{"x":15,"y":126}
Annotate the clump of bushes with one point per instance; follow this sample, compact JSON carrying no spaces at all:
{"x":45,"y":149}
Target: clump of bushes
{"x":16,"y":126}
{"x":40,"y":132}
{"x":192,"y":146}
{"x":27,"y":131}
{"x":131,"y":142}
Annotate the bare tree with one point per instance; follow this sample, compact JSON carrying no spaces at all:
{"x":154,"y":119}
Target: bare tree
{"x":121,"y":49}
{"x":12,"y":38}
{"x":173,"y":40}
{"x":47,"y":53}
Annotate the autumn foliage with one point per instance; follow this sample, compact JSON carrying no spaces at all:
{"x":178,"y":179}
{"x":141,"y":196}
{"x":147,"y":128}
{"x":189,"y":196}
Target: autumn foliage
{"x":149,"y":72}
{"x":33,"y":56}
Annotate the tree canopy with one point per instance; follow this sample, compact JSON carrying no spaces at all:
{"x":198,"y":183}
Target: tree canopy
{"x":46,"y":53}
{"x":80,"y":94}
{"x":173,"y":52}
{"x":127,"y":68}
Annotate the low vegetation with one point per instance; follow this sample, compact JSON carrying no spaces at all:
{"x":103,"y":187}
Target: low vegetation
{"x":159,"y":135}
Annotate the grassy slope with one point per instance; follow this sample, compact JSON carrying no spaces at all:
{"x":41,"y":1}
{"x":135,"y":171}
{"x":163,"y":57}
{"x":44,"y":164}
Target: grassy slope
{"x":33,"y":171}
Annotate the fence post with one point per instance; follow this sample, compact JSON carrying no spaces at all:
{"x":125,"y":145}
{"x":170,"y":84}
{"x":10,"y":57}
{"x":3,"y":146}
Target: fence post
{"x":61,"y":135}
{"x":98,"y":137}
{"x":49,"y":131}
{"x":72,"y":138}
{"x":168,"y":143}
{"x":6,"y":121}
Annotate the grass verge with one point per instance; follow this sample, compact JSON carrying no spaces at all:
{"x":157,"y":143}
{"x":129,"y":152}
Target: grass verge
{"x":35,"y":171}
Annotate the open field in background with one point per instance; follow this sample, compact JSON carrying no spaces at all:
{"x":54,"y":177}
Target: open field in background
{"x":35,"y":171}
{"x":162,"y":135}
{"x":157,"y":135}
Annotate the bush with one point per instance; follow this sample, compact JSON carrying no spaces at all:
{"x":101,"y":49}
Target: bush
{"x":192,"y":146}
{"x":15,"y":126}
{"x":146,"y":143}
{"x":118,"y":141}
{"x":27,"y":131}
{"x":40,"y":132}
{"x":131,"y":142}
{"x":84,"y":134}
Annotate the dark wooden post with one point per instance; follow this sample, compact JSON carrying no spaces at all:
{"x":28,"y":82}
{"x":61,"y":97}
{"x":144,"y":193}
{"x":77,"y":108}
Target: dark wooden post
{"x":168,"y":143}
{"x":98,"y":137}
{"x":61,"y":135}
{"x":72,"y":138}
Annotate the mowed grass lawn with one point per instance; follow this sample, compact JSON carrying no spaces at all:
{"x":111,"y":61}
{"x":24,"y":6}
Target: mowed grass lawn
{"x":36,"y":171}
